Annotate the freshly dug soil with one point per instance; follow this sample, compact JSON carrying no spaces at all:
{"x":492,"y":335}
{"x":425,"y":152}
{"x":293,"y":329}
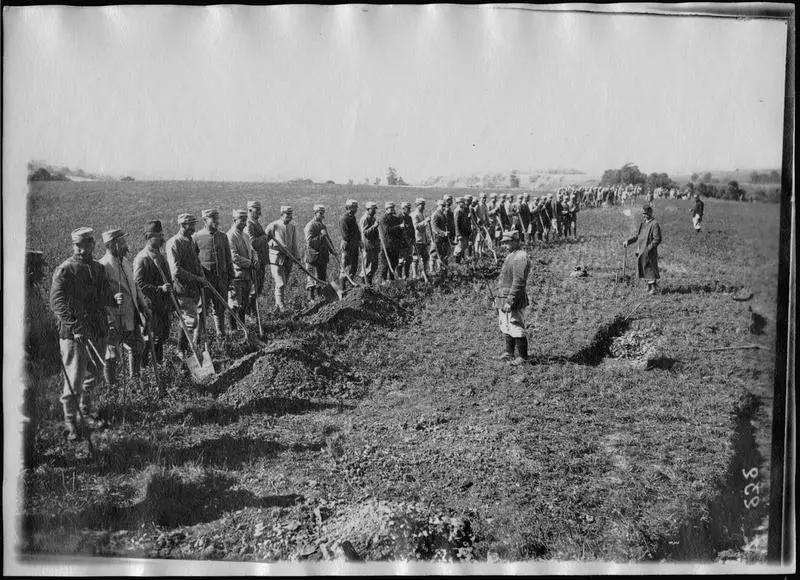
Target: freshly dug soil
{"x":360,"y":305}
{"x":293,"y":368}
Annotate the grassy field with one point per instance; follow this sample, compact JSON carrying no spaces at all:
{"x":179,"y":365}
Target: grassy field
{"x":626,"y":439}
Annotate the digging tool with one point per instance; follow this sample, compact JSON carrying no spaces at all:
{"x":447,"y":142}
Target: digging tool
{"x":338,"y":262}
{"x":206,"y":354}
{"x":81,"y":418}
{"x":143,"y":320}
{"x":202,"y":373}
{"x":329,"y":288}
{"x":385,"y":251}
{"x":255,"y":305}
{"x":250,"y":339}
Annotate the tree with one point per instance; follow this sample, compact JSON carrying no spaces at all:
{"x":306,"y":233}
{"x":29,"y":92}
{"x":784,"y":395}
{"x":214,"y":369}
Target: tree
{"x":377,"y":181}
{"x":694,"y":177}
{"x":707,"y":177}
{"x":514,"y":179}
{"x":391,"y":176}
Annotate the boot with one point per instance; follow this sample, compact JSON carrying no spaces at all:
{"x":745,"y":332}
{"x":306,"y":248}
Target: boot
{"x":508,"y":354}
{"x":522,"y":350}
{"x":110,"y":371}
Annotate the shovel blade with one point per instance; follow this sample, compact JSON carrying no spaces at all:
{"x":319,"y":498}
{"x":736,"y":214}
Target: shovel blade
{"x":332,"y":292}
{"x":202,"y":371}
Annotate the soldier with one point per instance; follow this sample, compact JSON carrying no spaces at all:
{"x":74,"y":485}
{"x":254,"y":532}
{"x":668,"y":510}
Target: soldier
{"x":258,"y":239}
{"x":408,"y":241}
{"x":394,"y":238}
{"x":242,"y":258}
{"x":463,"y":230}
{"x":151,"y":272}
{"x":372,"y":242}
{"x":317,"y":251}
{"x":504,"y":213}
{"x":547,"y":215}
{"x":187,"y":276}
{"x":421,"y":237}
{"x":494,"y":226}
{"x":441,"y":239}
{"x":482,"y":222}
{"x":647,"y":239}
{"x":214,"y":252}
{"x":79,"y":296}
{"x":351,"y":242}
{"x":525,"y":217}
{"x":469,"y":204}
{"x":282,"y":232}
{"x":125,"y":318}
{"x":450,"y":215}
{"x":697,"y":213}
{"x":512,"y":299}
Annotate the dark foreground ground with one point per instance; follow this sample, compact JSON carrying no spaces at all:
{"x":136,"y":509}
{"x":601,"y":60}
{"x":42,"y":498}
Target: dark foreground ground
{"x":381,"y":427}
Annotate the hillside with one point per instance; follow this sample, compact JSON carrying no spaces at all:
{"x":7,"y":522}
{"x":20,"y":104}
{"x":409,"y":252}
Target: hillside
{"x":42,"y":171}
{"x":537,"y":179}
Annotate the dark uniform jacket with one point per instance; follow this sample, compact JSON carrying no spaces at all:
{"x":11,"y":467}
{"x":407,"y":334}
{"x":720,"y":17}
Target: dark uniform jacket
{"x":393,"y":230}
{"x":505,"y":221}
{"x":647,"y":240}
{"x":463,"y":223}
{"x":317,"y":250}
{"x":79,"y":296}
{"x":451,"y":222}
{"x":439,"y":223}
{"x":409,"y":233}
{"x":512,"y":281}
{"x":524,"y":214}
{"x":697,"y":210}
{"x":369,"y":224}
{"x":184,"y":265}
{"x":351,"y":234}
{"x":214,"y":252}
{"x":258,"y":239}
{"x":149,"y":280}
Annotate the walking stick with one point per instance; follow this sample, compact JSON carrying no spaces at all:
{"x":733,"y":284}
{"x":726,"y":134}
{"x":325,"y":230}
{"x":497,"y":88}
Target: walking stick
{"x":90,"y":445}
{"x":338,"y":262}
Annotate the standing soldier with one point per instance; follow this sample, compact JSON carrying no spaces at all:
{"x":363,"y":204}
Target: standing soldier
{"x":394,"y":237}
{"x":351,"y":242}
{"x":503,"y":211}
{"x":512,"y":299}
{"x":79,"y":296}
{"x":547,"y":215}
{"x":148,"y":267}
{"x":647,"y":239}
{"x":317,"y":251}
{"x":450,"y":215}
{"x":187,"y":277}
{"x":525,"y":217}
{"x":242,"y":255}
{"x":482,"y":222}
{"x":258,"y":239}
{"x":441,"y":239}
{"x":463,"y":229}
{"x":421,"y":238}
{"x":125,"y":318}
{"x":697,"y":213}
{"x":282,"y":231}
{"x":470,"y":203}
{"x":407,"y":247}
{"x":372,"y":241}
{"x":214,"y":252}
{"x":494,"y":220}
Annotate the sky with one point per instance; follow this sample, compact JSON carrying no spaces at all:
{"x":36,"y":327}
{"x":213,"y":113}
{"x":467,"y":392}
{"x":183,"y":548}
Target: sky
{"x":265,"y":93}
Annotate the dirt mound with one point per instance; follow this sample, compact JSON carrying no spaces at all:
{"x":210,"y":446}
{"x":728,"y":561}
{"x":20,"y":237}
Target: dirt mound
{"x":292,"y":368}
{"x":640,"y":345}
{"x":359,"y":305}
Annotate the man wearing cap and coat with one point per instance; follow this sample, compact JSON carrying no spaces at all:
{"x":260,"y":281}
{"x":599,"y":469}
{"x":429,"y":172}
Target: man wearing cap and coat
{"x":351,"y":242}
{"x":463,"y":225}
{"x":317,"y":251}
{"x":187,"y":277}
{"x":282,"y":234}
{"x":441,"y":240}
{"x":421,"y":238}
{"x":647,"y":239}
{"x":242,"y":257}
{"x":697,"y":213}
{"x":79,"y":296}
{"x":512,"y":299}
{"x":372,"y":242}
{"x":408,"y":241}
{"x":258,"y":239}
{"x":394,"y":238}
{"x":214,"y":252}
{"x":148,"y":267}
{"x":126,"y":319}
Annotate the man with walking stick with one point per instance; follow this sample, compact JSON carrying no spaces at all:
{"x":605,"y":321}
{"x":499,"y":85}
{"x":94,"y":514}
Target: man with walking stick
{"x":128,"y":317}
{"x":156,"y":291}
{"x":79,"y":296}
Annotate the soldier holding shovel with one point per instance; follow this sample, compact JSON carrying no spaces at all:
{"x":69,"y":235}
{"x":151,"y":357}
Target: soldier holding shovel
{"x":647,"y":239}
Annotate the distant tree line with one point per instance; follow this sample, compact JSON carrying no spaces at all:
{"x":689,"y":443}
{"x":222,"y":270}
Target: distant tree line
{"x":773,"y":176}
{"x":630,"y":174}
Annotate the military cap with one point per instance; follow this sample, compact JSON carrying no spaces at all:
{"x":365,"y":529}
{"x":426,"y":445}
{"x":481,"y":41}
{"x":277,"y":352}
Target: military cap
{"x":468,"y":197}
{"x":286,"y":209}
{"x":186,"y":218}
{"x":510,"y":236}
{"x":350,"y":203}
{"x":483,"y":195}
{"x":440,"y":202}
{"x":318,"y":207}
{"x":448,"y":197}
{"x":239,"y":213}
{"x":647,"y":209}
{"x":209,"y":213}
{"x":82,"y":234}
{"x":419,"y":201}
{"x":493,"y":196}
{"x":371,"y":205}
{"x":405,"y":204}
{"x":254,"y":204}
{"x":153,"y":229}
{"x":388,"y":204}
{"x":112,"y":235}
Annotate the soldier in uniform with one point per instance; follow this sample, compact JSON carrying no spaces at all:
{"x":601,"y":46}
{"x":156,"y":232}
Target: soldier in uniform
{"x":317,"y":251}
{"x":421,"y":237}
{"x":408,"y":240}
{"x":79,"y":296}
{"x":647,"y":239}
{"x":125,"y":318}
{"x":372,"y":242}
{"x":440,"y":234}
{"x":482,"y":222}
{"x":187,"y":276}
{"x":351,"y":242}
{"x":214,"y":252}
{"x":697,"y":213}
{"x":258,"y":239}
{"x":525,"y":218}
{"x":243,"y":258}
{"x":394,"y":238}
{"x":151,"y":272}
{"x":512,"y":299}
{"x":463,"y":229}
{"x":282,"y":231}
{"x":450,"y":215}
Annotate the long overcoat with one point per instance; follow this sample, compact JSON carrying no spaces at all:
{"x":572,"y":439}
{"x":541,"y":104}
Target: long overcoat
{"x":647,"y":240}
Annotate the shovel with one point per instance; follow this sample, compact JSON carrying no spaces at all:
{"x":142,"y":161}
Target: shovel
{"x":207,"y":362}
{"x":330,"y":290}
{"x":202,"y":371}
{"x":255,"y":305}
{"x":339,"y":263}
{"x":252,"y":340}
